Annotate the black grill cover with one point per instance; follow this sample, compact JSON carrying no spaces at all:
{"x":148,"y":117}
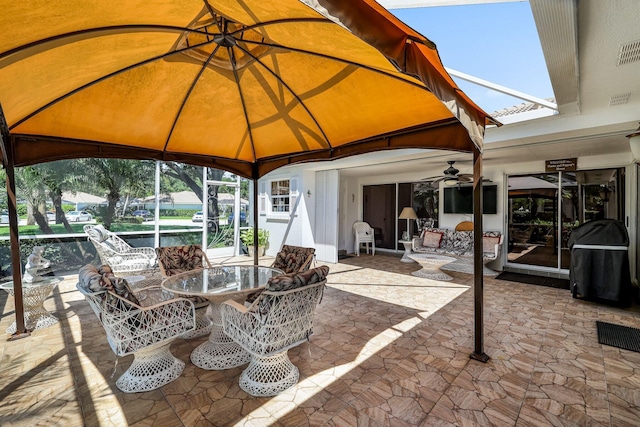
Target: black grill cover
{"x":600,"y":261}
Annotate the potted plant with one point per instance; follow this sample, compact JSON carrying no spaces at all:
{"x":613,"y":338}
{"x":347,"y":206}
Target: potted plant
{"x":263,"y":239}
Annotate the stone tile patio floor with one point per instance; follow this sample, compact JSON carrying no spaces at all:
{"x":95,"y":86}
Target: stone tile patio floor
{"x":389,"y":349}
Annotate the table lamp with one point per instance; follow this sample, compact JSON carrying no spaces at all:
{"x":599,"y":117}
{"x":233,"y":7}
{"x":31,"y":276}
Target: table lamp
{"x":407,"y":213}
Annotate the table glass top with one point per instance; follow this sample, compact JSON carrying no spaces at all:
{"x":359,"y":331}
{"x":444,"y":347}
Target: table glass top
{"x":46,"y":280}
{"x":220,"y":279}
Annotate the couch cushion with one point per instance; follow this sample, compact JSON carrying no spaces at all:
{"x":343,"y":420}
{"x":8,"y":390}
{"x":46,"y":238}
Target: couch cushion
{"x":431,"y":239}
{"x":491,"y":234}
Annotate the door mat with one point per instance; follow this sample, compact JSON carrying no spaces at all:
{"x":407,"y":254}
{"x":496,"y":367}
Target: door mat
{"x":552,"y":282}
{"x":344,"y":256}
{"x":618,"y":336}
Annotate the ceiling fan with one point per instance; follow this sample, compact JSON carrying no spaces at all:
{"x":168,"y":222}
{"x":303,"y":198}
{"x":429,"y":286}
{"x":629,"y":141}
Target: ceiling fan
{"x":450,"y":176}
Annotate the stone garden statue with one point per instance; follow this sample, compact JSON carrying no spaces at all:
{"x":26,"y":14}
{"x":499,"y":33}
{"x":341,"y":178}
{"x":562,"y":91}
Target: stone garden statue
{"x":35,"y":263}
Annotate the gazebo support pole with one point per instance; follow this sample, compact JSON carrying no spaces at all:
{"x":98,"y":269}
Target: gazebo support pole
{"x":16,"y":265}
{"x":255,"y":221}
{"x":478,"y":278}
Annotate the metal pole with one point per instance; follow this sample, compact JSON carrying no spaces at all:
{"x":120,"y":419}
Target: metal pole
{"x":237,"y":208}
{"x":156,"y":215}
{"x":478,"y":278}
{"x":205,"y":209}
{"x":255,"y":221}
{"x":7,"y":150}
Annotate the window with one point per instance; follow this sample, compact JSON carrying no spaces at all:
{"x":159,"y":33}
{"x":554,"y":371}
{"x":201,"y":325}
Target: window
{"x":280,"y":196}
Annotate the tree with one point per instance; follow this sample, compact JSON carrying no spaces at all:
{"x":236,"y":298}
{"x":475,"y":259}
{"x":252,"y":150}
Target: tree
{"x":180,"y":176}
{"x":59,"y":177}
{"x":29,"y":182}
{"x":189,"y":175}
{"x":117,"y":178}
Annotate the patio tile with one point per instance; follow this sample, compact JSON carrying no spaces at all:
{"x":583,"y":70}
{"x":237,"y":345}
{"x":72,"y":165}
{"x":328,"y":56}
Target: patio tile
{"x":388,"y":349}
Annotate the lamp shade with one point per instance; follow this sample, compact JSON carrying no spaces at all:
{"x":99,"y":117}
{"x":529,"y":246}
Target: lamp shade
{"x":408,"y":213}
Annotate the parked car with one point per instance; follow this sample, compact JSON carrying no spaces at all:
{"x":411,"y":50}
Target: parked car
{"x":78,"y":216}
{"x":144,"y":214}
{"x":197,"y":217}
{"x":243,"y":217}
{"x":4,"y":217}
{"x":51,"y":216}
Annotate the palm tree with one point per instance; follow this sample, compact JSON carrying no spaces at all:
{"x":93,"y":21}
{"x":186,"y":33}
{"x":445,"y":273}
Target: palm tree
{"x":59,"y":177}
{"x":29,"y":182}
{"x":118,"y":177}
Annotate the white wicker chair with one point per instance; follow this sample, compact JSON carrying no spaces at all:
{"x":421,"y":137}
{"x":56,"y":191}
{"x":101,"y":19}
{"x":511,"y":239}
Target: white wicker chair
{"x":364,"y":234}
{"x":293,"y":259}
{"x":117,"y":253}
{"x":146,"y":332}
{"x":274,"y":323}
{"x":178,"y":259}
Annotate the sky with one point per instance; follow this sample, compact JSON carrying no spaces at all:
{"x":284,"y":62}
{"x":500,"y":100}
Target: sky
{"x":497,"y":42}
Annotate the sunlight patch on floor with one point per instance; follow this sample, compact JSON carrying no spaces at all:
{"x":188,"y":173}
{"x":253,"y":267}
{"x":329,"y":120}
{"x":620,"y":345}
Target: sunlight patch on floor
{"x":420,"y":298}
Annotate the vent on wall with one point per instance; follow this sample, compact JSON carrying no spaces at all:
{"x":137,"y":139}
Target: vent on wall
{"x":620,"y":99}
{"x":629,"y":52}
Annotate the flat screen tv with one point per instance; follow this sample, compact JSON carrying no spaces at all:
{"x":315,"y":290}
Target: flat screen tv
{"x":459,"y":199}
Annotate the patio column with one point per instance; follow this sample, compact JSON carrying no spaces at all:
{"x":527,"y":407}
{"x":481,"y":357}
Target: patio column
{"x":6,"y":144}
{"x":478,"y":279}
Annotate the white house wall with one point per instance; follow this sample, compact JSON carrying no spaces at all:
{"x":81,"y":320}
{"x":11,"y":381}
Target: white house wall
{"x":327,"y":207}
{"x":350,"y":212}
{"x":342,"y":194}
{"x":294,"y":228}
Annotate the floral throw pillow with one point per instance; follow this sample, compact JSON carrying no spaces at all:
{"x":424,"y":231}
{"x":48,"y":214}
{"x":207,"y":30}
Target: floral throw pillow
{"x":102,"y":279}
{"x":285,"y":282}
{"x":431,"y":239}
{"x":178,"y":259}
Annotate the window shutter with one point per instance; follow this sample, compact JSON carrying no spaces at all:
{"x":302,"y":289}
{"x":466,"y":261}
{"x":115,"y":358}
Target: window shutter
{"x":262,"y":196}
{"x":293,"y":194}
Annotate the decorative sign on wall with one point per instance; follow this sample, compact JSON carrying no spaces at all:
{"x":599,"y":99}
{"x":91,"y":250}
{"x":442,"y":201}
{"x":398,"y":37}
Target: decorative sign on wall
{"x":561,"y":165}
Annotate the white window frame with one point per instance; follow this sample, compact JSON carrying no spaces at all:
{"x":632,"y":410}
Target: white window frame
{"x":268,"y":199}
{"x":280,"y":201}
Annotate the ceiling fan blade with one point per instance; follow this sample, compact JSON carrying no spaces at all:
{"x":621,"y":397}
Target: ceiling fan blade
{"x":468,"y":177}
{"x":436,"y":178}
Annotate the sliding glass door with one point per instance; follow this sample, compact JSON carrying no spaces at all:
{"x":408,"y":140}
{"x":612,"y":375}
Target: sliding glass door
{"x":543,"y":209}
{"x":383,"y":203}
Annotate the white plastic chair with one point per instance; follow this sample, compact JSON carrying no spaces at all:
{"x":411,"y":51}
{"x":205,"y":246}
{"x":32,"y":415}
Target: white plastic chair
{"x":146,"y":332}
{"x":117,"y":253}
{"x":364,"y":235}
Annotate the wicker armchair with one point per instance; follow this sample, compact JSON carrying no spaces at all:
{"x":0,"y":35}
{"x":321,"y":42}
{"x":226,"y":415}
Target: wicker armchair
{"x":279,"y":319}
{"x":294,"y":259}
{"x":146,"y":332}
{"x":178,"y":259}
{"x":117,"y":253}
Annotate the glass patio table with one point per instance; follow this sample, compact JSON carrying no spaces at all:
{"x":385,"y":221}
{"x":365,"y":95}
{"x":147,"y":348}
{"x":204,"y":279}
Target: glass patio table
{"x":219,"y":284}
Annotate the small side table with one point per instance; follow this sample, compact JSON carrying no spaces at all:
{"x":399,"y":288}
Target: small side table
{"x":431,"y":266}
{"x":33,"y":296}
{"x":407,"y":250}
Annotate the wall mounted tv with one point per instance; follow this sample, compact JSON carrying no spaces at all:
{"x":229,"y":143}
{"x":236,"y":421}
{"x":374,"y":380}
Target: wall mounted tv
{"x":459,"y":199}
